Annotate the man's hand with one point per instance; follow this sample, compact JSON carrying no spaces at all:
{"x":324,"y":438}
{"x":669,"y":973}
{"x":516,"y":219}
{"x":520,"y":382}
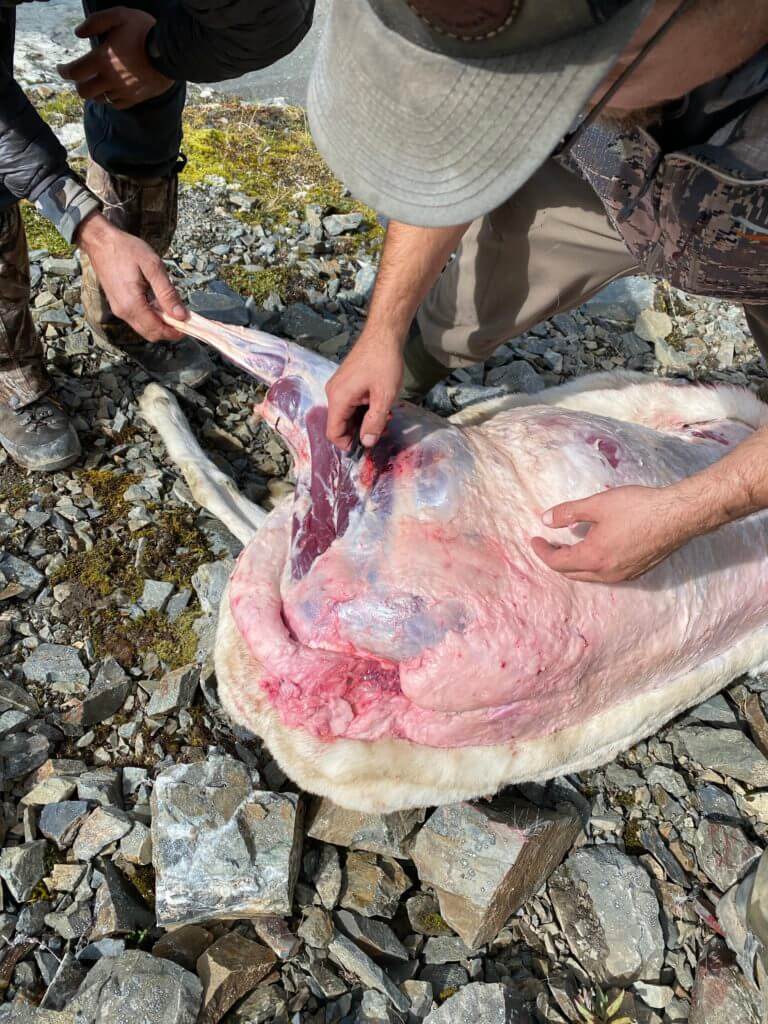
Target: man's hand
{"x":128,"y":269}
{"x":371,"y":375}
{"x":118,"y":70}
{"x":631,"y":529}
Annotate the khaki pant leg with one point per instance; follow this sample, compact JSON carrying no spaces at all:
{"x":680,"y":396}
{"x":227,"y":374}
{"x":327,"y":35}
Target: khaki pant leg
{"x":547,"y":249}
{"x":757,"y":318}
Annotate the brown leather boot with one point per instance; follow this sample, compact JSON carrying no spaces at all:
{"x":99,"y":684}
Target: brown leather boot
{"x":34,"y":429}
{"x":146,"y":208}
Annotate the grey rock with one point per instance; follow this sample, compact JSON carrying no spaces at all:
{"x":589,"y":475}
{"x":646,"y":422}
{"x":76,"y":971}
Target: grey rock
{"x":229,"y":969}
{"x":609,"y":915}
{"x":23,"y":867}
{"x":21,"y":753}
{"x":485,"y":860}
{"x":341,"y":223}
{"x":375,"y":1009}
{"x":55,"y":663}
{"x":445,"y":949}
{"x":518,"y":376}
{"x":103,"y":947}
{"x":716,"y":802}
{"x":670,"y":781}
{"x":316,"y":928}
{"x":652,"y":325}
{"x":102,"y":785}
{"x":118,"y":909}
{"x":365,"y":280}
{"x":328,"y":877}
{"x":424,"y":915}
{"x":71,"y":923}
{"x":221,"y":847}
{"x":624,"y":299}
{"x":303,"y":324}
{"x":176,"y":690}
{"x":376,"y":938}
{"x":715,"y":711}
{"x":727,"y":751}
{"x":275,"y":933}
{"x":59,"y":822}
{"x":444,"y":978}
{"x":388,"y":834}
{"x":227,"y":308}
{"x":138,"y":987}
{"x":64,"y":985}
{"x":209,"y":582}
{"x":105,"y":697}
{"x":31,"y":920}
{"x":373,"y":885}
{"x":267,"y":1005}
{"x":104,"y":826}
{"x":655,"y":845}
{"x":491,"y":1004}
{"x":353,"y":959}
{"x":155,"y":595}
{"x":136,"y":847}
{"x":421,"y":997}
{"x":24,"y":580}
{"x":61,"y":266}
{"x":724,"y":853}
{"x":722,"y":994}
{"x":183,"y":945}
{"x":16,"y":698}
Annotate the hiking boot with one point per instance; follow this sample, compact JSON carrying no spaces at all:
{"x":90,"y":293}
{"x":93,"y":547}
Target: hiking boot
{"x":22,"y":374}
{"x":146,"y":208}
{"x":421,"y":371}
{"x":39,"y":436}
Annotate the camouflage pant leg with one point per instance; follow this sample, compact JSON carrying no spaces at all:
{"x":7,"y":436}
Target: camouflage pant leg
{"x":146,"y":208}
{"x":757,"y":318}
{"x":22,"y":373}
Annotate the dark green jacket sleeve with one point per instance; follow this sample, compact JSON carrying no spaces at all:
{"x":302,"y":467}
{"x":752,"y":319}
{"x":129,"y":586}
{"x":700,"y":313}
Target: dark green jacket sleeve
{"x":214,"y":40}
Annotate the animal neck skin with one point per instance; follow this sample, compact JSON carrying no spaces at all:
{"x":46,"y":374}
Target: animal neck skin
{"x":331,"y":486}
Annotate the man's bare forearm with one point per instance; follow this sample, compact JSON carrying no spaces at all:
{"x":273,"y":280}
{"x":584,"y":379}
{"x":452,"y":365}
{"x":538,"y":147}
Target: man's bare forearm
{"x":734,"y":487}
{"x":411,"y":262}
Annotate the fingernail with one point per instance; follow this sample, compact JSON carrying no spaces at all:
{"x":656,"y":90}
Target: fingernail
{"x":369,"y":440}
{"x":547,"y":517}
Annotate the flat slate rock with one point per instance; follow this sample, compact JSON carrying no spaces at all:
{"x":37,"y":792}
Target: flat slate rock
{"x":137,"y":987}
{"x":609,"y":914}
{"x":727,"y":751}
{"x":388,"y":834}
{"x":485,"y":860}
{"x":222,"y":848}
{"x":478,"y":1002}
{"x":721,"y":993}
{"x":55,"y":663}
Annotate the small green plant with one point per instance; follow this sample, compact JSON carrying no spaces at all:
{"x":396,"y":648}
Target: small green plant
{"x":598,"y":1008}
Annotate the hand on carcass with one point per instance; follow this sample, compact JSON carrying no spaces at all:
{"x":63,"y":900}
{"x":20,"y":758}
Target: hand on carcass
{"x":630,"y":530}
{"x":370,"y":376}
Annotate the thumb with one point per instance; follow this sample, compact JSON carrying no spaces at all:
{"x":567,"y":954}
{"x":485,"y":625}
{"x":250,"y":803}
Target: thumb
{"x":99,"y":23}
{"x":569,"y":513}
{"x":166,"y":296}
{"x":375,"y":420}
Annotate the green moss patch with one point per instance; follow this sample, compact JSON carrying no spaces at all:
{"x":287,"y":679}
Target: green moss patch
{"x":269,"y":153}
{"x":41,"y":234}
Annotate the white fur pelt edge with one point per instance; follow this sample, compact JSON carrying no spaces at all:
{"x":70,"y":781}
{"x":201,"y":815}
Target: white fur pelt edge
{"x":388,"y":775}
{"x":392,"y":775}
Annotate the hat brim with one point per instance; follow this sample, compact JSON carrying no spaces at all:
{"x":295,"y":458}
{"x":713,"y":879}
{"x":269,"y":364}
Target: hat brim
{"x":436,"y":141}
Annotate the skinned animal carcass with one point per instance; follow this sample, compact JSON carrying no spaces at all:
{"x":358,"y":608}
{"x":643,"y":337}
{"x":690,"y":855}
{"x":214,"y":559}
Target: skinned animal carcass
{"x":388,"y":630}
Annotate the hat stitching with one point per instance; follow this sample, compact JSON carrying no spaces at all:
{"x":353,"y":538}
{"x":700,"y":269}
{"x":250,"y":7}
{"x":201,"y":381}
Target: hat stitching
{"x":516,"y":7}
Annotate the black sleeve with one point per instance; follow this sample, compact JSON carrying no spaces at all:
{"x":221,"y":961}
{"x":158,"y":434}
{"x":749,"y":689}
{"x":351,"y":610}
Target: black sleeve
{"x":31,"y":157}
{"x":33,"y":163}
{"x":211,"y":41}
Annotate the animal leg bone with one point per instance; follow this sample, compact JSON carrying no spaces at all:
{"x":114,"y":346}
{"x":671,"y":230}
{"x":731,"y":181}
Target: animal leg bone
{"x":211,"y":488}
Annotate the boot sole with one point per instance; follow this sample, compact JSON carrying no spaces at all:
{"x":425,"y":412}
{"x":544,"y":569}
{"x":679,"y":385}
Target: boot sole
{"x":42,"y":465}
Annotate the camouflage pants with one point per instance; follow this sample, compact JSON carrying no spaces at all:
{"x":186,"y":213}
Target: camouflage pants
{"x":546,"y":250}
{"x":141,"y":143}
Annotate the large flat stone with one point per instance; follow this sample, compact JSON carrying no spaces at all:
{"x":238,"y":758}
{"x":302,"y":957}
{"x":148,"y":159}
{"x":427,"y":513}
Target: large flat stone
{"x":353,"y":959}
{"x":610,"y":915}
{"x":388,"y":834}
{"x":229,"y":969}
{"x":138,"y":988}
{"x":222,"y":848}
{"x":485,"y":860}
{"x":55,"y":663}
{"x":22,"y":868}
{"x":479,"y":1004}
{"x":727,"y":751}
